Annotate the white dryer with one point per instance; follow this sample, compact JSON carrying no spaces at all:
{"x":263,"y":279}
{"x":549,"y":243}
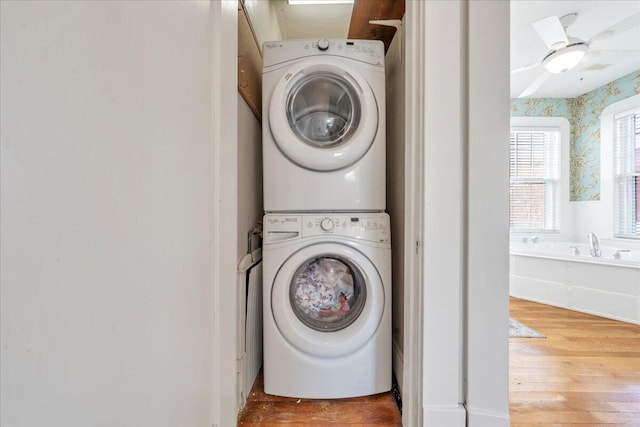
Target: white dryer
{"x":323,"y":111}
{"x":327,"y":305}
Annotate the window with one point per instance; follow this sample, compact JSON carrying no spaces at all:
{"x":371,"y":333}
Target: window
{"x":626,"y":169}
{"x":534,"y":169}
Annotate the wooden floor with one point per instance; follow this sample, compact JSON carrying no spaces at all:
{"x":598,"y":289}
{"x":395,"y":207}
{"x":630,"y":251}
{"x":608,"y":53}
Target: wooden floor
{"x":585,"y":372}
{"x":271,"y":411}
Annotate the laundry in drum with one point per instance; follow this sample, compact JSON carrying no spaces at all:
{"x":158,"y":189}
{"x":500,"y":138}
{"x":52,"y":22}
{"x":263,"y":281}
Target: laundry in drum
{"x":324,"y":289}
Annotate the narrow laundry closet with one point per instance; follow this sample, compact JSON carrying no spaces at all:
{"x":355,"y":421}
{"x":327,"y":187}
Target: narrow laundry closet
{"x":325,"y":231}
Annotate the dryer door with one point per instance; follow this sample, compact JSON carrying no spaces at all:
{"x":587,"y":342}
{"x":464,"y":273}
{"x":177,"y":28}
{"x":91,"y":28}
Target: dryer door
{"x":323,"y":114}
{"x":327,"y":300}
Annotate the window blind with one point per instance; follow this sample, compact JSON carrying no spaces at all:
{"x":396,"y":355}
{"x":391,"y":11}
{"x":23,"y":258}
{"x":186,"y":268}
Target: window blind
{"x":534,"y":169}
{"x":626,"y":157}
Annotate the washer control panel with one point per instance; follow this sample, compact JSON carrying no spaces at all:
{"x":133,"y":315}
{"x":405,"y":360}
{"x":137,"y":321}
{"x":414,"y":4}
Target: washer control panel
{"x":373,"y":227}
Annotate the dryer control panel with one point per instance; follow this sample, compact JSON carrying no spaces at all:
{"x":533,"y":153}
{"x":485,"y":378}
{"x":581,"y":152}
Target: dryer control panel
{"x":372,"y":227}
{"x":369,"y":51}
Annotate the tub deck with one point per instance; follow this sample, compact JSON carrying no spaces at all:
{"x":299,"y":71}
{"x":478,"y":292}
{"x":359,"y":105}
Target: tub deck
{"x":601,"y":286}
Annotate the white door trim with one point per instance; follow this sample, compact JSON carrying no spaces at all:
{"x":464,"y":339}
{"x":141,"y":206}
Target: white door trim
{"x":224,"y":137}
{"x":413,"y":291}
{"x":443,"y":75}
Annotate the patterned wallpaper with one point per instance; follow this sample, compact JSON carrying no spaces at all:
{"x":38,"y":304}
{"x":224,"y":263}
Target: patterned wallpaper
{"x":583,"y":114}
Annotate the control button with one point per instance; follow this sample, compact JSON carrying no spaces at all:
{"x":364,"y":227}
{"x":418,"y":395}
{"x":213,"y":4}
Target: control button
{"x":323,"y":44}
{"x":326,"y":224}
{"x":309,"y":224}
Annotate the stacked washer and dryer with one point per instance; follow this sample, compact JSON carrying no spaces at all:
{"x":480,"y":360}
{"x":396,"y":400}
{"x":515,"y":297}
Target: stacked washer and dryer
{"x":327,"y":244}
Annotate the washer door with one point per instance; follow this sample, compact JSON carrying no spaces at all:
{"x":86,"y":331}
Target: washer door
{"x":323,"y":115}
{"x":327,"y":300}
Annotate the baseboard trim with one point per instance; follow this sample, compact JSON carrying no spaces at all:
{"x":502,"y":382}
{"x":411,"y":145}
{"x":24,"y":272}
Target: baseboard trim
{"x":481,"y":418}
{"x":449,"y":416}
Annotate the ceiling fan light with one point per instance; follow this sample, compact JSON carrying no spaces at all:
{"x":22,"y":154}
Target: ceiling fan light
{"x":565,"y":59}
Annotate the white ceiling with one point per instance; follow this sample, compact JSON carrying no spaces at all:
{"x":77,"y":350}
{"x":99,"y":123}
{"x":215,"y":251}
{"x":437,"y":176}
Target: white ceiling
{"x":332,"y":21}
{"x":593,"y":17}
{"x":313,"y":21}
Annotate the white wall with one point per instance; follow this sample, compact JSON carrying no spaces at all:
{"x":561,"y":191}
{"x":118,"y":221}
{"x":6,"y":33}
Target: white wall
{"x":107,"y":214}
{"x":395,"y":99}
{"x":487,"y":397}
{"x":443,"y":238}
{"x":249,"y":174}
{"x":264,"y":20}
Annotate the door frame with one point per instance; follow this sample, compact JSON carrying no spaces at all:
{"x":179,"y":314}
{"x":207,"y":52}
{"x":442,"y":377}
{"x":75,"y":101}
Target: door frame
{"x":412,"y":353}
{"x":440,"y":382}
{"x":223,"y":16}
{"x":224,"y":101}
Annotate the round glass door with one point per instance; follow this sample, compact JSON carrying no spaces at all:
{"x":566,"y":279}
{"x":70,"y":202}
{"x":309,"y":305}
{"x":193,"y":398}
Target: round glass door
{"x":327,"y":299}
{"x":323,"y":110}
{"x":323,"y":114}
{"x":327,"y":294}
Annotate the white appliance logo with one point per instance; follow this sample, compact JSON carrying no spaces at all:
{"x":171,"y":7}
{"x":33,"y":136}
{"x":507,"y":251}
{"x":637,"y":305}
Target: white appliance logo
{"x":282,"y":220}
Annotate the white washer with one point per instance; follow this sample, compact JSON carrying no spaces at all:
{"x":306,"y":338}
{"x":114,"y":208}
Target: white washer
{"x":327,"y":305}
{"x":323,"y":111}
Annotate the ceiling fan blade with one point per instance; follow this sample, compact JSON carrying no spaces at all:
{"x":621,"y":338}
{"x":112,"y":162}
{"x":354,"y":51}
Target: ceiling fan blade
{"x":525,"y":67}
{"x":594,"y":55}
{"x":620,"y":27}
{"x":551,"y":32}
{"x":595,"y":52}
{"x":535,"y":85}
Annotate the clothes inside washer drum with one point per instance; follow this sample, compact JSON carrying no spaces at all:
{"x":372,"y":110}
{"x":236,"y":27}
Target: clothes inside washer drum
{"x":324,"y":295}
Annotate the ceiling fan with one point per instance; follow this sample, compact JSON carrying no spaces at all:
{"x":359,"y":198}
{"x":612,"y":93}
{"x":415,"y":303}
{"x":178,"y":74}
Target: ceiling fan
{"x":567,"y":52}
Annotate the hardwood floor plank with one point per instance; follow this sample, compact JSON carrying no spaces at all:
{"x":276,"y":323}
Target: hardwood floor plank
{"x":314,"y":412}
{"x":265,"y":410}
{"x":626,"y":406}
{"x":597,"y":378}
{"x":563,"y":424}
{"x":582,"y":387}
{"x":247,"y":424}
{"x":577,"y":417}
{"x":585,"y":372}
{"x":258,"y":395}
{"x":534,"y":396}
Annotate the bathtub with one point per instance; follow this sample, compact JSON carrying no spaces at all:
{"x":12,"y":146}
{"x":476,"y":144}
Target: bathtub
{"x":551,"y":273}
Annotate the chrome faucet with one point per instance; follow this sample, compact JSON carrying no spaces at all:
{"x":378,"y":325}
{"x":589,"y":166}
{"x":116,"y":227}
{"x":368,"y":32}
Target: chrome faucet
{"x":594,"y":245}
{"x":617,"y":254}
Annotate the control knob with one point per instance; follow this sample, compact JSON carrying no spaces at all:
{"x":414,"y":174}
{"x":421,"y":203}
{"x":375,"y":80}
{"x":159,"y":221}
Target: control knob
{"x":323,"y":44}
{"x":326,"y":224}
